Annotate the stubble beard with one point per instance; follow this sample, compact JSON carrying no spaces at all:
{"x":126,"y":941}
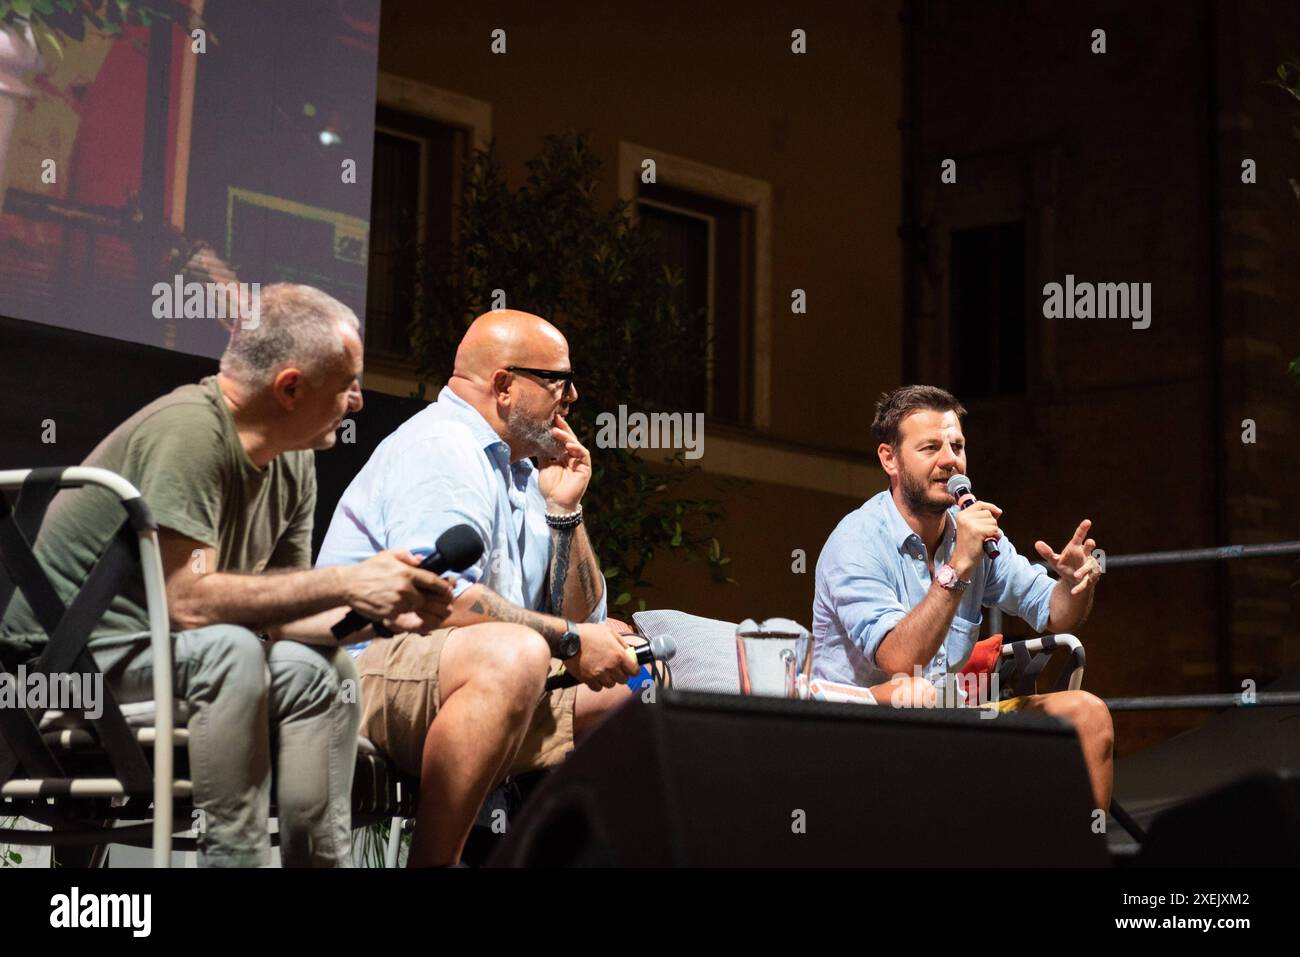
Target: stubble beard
{"x":535,"y":436}
{"x":917,"y":496}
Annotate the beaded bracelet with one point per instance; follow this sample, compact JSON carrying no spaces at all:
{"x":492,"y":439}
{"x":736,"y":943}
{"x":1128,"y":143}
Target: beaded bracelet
{"x":569,"y":520}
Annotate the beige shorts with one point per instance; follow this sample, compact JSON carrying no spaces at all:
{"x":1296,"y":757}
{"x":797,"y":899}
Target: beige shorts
{"x":400,"y":697}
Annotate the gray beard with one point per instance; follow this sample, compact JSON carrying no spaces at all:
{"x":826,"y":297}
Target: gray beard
{"x":536,"y":437}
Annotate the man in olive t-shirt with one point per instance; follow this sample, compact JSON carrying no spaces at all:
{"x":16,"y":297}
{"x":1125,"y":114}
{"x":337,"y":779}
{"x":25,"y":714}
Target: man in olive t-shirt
{"x":183,"y":454}
{"x":227,"y":470}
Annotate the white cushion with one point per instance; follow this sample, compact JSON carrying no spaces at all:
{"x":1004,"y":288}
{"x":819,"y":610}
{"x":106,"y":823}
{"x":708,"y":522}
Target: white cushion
{"x":706,"y":649}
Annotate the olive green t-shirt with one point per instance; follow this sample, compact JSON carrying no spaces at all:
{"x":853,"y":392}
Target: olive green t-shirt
{"x":182,"y":452}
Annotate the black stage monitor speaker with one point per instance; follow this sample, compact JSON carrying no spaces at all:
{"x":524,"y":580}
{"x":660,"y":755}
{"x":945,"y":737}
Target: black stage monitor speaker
{"x":723,"y":780}
{"x":1253,"y":822}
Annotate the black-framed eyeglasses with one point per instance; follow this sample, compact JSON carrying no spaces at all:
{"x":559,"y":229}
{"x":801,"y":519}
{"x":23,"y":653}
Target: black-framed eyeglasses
{"x":550,"y":375}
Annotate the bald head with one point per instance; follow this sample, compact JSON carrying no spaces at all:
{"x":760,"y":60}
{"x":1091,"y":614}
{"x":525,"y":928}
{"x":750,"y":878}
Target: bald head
{"x":523,"y":407}
{"x":507,"y":337}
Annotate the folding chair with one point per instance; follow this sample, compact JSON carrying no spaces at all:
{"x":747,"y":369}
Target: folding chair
{"x":60,"y":777}
{"x":1022,"y":662}
{"x":381,"y":792}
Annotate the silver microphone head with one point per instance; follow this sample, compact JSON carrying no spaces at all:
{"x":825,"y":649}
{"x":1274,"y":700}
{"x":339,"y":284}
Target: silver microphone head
{"x":663,"y":647}
{"x":957,"y":485}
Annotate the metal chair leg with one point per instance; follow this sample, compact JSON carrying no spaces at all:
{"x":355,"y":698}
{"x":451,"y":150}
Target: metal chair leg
{"x":394,"y":842}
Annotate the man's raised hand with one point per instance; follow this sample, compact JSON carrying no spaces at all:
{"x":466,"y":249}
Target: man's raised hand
{"x":563,"y":481}
{"x":976,"y":522}
{"x":1074,"y":563}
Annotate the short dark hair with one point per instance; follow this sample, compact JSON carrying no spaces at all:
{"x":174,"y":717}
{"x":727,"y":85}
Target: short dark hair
{"x":893,"y":407}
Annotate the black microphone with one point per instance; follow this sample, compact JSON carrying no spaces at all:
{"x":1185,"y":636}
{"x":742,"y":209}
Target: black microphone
{"x":959,"y":488}
{"x":456,"y":549}
{"x":659,"y":648}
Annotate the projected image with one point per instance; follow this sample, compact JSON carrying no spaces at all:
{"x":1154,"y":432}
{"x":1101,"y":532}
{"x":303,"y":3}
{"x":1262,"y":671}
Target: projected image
{"x":161,"y":161}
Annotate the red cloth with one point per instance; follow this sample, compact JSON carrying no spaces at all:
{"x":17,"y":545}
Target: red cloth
{"x":983,"y":660}
{"x":984,"y":657}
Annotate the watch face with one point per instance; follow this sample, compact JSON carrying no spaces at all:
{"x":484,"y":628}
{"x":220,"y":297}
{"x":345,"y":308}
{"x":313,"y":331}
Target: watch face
{"x":570,"y":645}
{"x":947,"y":576}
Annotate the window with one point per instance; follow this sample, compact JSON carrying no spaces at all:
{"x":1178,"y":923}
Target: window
{"x":710,"y":242}
{"x":987,"y":311}
{"x":417,"y":167}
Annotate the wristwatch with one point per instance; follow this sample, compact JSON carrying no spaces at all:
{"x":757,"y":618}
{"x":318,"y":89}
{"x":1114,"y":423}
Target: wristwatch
{"x":569,"y":644}
{"x":948,"y":579}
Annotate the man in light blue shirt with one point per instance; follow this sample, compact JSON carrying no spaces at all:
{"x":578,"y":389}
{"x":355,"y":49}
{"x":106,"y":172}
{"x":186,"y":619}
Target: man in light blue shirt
{"x":902,"y":581}
{"x":446,"y":466}
{"x":459,"y":705}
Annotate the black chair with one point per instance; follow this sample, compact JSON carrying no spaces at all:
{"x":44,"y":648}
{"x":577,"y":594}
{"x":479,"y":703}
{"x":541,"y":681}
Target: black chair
{"x":78,"y":780}
{"x":122,"y":777}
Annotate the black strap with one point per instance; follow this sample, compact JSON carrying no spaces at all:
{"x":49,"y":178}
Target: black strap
{"x":72,"y":629}
{"x":115,"y":734}
{"x":1076,"y":662}
{"x":23,"y":570}
{"x":21,"y":744}
{"x":34,"y":498}
{"x":20,"y":738}
{"x":39,"y":489}
{"x":67,"y":652}
{"x":69,"y":630}
{"x":1023,"y":663}
{"x":1024,"y":670}
{"x":1029,"y":677}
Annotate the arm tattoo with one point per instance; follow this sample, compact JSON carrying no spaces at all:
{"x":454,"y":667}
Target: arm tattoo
{"x":590,"y":586}
{"x":561,"y":545}
{"x":492,"y":605}
{"x":564,"y":543}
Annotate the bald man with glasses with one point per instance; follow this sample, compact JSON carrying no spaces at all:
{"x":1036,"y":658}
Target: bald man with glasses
{"x":463,"y":705}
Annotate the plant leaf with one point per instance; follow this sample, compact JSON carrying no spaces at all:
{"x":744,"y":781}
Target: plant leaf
{"x":48,"y":36}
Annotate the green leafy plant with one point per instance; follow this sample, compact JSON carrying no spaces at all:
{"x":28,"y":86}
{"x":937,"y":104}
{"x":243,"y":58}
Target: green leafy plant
{"x":1288,"y":79}
{"x":370,"y":844}
{"x":54,"y":22}
{"x":599,"y":276}
{"x":8,"y":856}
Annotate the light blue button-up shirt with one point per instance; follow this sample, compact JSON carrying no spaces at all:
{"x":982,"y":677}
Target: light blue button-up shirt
{"x":874,"y":569}
{"x":446,"y":466}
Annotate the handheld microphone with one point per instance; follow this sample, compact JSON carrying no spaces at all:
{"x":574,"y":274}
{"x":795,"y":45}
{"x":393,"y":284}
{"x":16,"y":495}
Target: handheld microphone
{"x":959,"y":488}
{"x":659,"y":648}
{"x":456,"y":549}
